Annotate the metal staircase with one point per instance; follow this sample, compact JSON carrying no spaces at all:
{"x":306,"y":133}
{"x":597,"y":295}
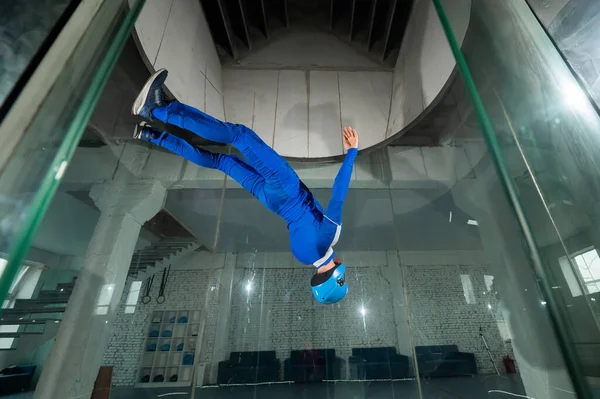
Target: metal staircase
{"x":33,"y":317}
{"x":373,"y":27}
{"x":149,"y":261}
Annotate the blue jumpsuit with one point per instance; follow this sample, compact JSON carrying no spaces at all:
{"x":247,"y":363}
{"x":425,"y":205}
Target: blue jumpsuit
{"x":313,"y":231}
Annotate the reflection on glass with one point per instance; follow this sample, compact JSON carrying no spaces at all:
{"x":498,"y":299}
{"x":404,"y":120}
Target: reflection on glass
{"x":24,"y":29}
{"x":468,"y":289}
{"x":543,"y":130}
{"x":186,"y":282}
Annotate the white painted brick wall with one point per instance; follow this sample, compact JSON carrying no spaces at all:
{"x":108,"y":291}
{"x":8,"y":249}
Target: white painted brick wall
{"x":186,"y":290}
{"x":280,"y":313}
{"x":440,"y":314}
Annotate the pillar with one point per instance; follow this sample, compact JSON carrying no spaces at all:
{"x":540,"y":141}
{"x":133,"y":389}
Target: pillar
{"x":73,"y":364}
{"x":221,"y":346}
{"x":393,"y":274}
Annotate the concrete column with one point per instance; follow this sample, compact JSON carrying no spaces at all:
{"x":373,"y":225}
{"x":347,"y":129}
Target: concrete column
{"x":227,"y":276}
{"x":393,"y":274}
{"x":72,"y":367}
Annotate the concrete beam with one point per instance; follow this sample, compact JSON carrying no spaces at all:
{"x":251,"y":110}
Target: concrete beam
{"x":394,"y":167}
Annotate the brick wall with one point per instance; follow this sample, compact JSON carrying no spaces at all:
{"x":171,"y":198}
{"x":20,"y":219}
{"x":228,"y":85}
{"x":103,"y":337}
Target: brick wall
{"x":186,"y":290}
{"x":443,"y":312}
{"x":279,"y":313}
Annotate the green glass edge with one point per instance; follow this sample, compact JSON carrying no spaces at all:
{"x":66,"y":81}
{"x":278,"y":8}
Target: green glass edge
{"x":45,"y":194}
{"x":558,"y":318}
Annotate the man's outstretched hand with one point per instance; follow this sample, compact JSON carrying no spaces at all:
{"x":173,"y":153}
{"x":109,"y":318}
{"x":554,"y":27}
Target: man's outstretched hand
{"x":350,"y":138}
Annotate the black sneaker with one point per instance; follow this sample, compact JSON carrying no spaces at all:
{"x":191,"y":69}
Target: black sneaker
{"x":144,"y":131}
{"x":152,"y":95}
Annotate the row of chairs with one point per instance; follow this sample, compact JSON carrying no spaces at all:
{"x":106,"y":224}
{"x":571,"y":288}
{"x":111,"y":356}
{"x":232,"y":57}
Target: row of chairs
{"x":365,"y":364}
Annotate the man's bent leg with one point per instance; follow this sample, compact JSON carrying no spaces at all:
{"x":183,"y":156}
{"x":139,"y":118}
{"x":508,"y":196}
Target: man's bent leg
{"x":231,"y":165}
{"x":262,"y":157}
{"x":266,"y":161}
{"x":184,"y":149}
{"x":196,"y":121}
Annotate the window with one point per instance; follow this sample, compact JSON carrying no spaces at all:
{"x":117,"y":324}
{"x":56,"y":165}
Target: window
{"x":587,"y":267}
{"x":133,"y":296}
{"x":468,"y":290}
{"x":22,"y":287}
{"x":489,"y":282}
{"x":106,"y":293}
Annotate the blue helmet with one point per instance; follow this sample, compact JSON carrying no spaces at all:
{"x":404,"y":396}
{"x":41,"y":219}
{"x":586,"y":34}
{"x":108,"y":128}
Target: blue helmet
{"x":330,"y":287}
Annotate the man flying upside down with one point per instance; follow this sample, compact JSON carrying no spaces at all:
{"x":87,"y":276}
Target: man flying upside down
{"x":263,"y":173}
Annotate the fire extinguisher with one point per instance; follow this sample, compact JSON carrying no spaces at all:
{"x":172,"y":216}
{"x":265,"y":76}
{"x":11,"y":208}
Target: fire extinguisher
{"x":509,"y":365}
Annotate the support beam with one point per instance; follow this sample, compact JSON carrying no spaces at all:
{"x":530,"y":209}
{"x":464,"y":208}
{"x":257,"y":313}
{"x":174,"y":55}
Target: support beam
{"x":246,"y":21}
{"x":393,"y":275}
{"x":227,"y":276}
{"x":331,"y":10}
{"x":286,"y":14}
{"x":72,"y":367}
{"x":235,"y":14}
{"x":399,"y":20}
{"x":379,"y":12}
{"x":360,"y":25}
{"x":353,"y":18}
{"x":216,"y":16}
{"x":257,"y":15}
{"x":391,"y":17}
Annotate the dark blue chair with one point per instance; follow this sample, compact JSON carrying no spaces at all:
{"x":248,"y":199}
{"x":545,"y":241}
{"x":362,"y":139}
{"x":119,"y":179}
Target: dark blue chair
{"x":16,"y":379}
{"x":312,"y":365}
{"x":249,"y":368}
{"x":444,"y":361}
{"x":381,"y":363}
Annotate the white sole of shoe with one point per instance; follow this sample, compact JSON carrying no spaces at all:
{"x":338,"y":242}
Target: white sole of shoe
{"x":137,"y":130}
{"x":136,"y":108}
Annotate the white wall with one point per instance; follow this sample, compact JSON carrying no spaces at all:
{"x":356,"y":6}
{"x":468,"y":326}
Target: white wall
{"x":441,"y":315}
{"x":279,"y":312}
{"x":67,"y":226}
{"x":186,"y":290}
{"x":301,"y":113}
{"x":174,"y":35}
{"x":66,"y":231}
{"x":310,"y":84}
{"x":425,"y":62}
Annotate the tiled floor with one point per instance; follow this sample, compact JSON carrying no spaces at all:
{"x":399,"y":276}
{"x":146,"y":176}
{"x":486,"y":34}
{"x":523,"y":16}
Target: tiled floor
{"x":442,"y":388}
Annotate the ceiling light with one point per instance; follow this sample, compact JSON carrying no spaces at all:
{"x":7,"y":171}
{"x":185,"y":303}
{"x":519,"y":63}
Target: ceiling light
{"x":472,"y":222}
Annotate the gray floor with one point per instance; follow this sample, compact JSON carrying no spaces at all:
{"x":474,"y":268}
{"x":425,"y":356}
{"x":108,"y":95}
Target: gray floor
{"x":442,"y":388}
